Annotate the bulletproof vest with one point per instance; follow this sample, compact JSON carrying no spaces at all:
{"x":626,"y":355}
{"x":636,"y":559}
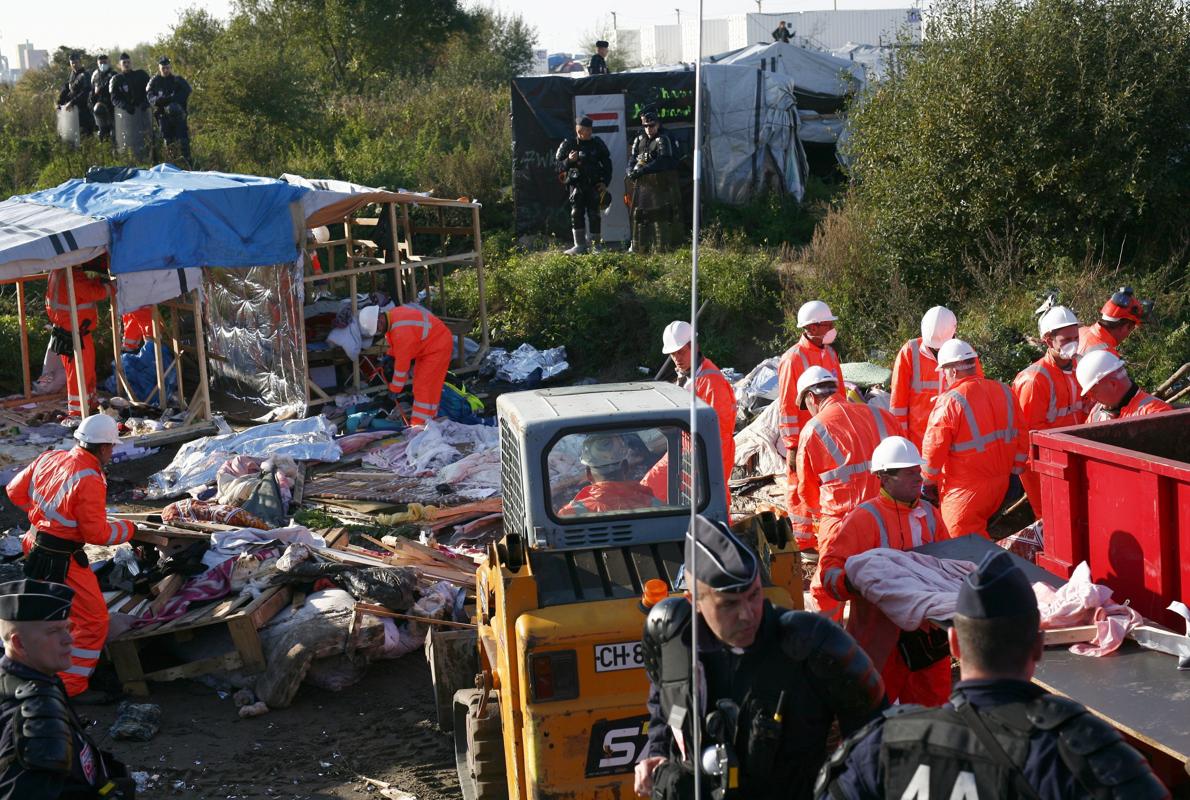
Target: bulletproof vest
{"x":587,"y":168}
{"x":43,"y":732}
{"x":775,"y":756}
{"x":934,"y":753}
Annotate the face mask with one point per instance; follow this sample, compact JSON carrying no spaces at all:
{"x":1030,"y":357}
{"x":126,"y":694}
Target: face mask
{"x":104,"y":67}
{"x":1068,"y":350}
{"x":829,"y":336}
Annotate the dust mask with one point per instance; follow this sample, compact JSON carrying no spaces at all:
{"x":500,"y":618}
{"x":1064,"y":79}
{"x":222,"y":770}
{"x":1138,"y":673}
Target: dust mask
{"x":829,"y":336}
{"x":1068,"y":350}
{"x":104,"y":67}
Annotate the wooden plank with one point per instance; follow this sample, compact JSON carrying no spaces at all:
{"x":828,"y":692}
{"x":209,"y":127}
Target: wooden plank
{"x":381,"y":611}
{"x":126,"y":659}
{"x":193,"y":669}
{"x":247,"y":642}
{"x":1071,"y":635}
{"x":268,"y":609}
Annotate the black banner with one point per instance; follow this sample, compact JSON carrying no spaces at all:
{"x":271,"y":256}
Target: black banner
{"x":543,"y":115}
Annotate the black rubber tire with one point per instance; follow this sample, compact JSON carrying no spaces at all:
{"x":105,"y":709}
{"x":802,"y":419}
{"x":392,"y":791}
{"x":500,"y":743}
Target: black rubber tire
{"x":480,"y":757}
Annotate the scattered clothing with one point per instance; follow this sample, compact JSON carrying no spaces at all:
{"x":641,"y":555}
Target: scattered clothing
{"x":136,"y":722}
{"x":1081,"y":602}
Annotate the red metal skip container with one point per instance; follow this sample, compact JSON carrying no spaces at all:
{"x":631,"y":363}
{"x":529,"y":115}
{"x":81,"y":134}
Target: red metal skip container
{"x":1117,"y":495}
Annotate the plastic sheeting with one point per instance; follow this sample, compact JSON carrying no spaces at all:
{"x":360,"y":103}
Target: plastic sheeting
{"x":213,"y":219}
{"x":823,"y":81}
{"x":519,"y":365}
{"x":36,"y":238}
{"x":140,"y":368}
{"x":255,"y":335}
{"x":196,"y":462}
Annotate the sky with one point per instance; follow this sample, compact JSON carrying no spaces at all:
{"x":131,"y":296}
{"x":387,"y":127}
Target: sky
{"x":560,"y":26}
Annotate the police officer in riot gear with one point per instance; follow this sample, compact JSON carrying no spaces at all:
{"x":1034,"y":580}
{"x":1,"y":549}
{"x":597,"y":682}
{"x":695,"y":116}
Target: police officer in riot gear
{"x":775,"y":681}
{"x":45,"y":752}
{"x":656,"y":196}
{"x":598,"y":63}
{"x":127,"y":87}
{"x":1000,"y":736}
{"x":101,"y":98}
{"x":585,"y":166}
{"x":76,"y":92}
{"x":169,"y":95}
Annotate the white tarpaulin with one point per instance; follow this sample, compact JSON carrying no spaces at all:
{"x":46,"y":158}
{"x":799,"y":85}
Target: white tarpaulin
{"x":815,"y":73}
{"x":35,"y":238}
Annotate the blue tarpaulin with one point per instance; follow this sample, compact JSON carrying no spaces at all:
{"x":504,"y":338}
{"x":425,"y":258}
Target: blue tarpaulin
{"x":167,"y":218}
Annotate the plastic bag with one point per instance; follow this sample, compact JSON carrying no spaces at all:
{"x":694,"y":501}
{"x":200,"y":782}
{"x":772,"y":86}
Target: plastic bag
{"x":391,"y":587}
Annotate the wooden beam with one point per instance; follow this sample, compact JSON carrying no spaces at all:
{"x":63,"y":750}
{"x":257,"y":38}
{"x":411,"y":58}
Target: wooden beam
{"x":23,"y":322}
{"x":79,"y":372}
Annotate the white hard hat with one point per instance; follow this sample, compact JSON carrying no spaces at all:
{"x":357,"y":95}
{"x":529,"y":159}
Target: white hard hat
{"x":814,"y":311}
{"x":954,"y":351}
{"x":676,"y":335}
{"x":322,"y":234}
{"x":1095,"y":366}
{"x":1057,"y":317}
{"x":937,"y":325}
{"x":814,"y":377}
{"x":368,"y":317}
{"x":895,"y":452}
{"x":98,"y":429}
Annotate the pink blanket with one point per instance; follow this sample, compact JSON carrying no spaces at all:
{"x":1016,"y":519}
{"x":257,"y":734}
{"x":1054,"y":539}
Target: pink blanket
{"x":1081,"y":602}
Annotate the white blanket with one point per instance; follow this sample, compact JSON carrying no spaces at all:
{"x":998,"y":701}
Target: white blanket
{"x":908,"y":587}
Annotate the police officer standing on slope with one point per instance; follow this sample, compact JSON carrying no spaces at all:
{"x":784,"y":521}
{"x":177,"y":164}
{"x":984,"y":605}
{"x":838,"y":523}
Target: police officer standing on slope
{"x":169,"y":95}
{"x":1000,"y":736}
{"x":585,"y":166}
{"x":44,"y":750}
{"x":75,"y":93}
{"x":101,"y":98}
{"x":128,"y":86}
{"x":656,"y":196}
{"x":775,"y":681}
{"x":598,"y":63}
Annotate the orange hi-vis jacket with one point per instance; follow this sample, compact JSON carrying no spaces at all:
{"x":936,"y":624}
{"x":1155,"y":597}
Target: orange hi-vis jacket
{"x":915,"y":385}
{"x":64,"y":492}
{"x":87,"y":294}
{"x":1141,"y":404}
{"x":879,"y":522}
{"x":794,"y":362}
{"x":1096,"y":337}
{"x":713,"y":389}
{"x":974,"y":434}
{"x":412,"y":333}
{"x":833,"y":467}
{"x":604,"y":496}
{"x":1047,"y":395}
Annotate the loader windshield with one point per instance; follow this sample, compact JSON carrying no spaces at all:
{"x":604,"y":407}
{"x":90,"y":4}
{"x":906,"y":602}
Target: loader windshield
{"x":622,"y":472}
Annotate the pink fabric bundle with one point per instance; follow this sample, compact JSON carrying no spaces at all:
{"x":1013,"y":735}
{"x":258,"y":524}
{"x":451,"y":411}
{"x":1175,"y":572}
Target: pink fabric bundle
{"x":1081,"y":602}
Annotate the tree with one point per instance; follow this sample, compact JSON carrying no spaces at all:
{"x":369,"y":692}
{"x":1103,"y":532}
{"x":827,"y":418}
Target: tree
{"x":1048,"y":128}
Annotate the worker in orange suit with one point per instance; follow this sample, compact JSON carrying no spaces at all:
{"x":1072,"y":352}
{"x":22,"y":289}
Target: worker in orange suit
{"x":609,"y":487}
{"x":88,"y":291}
{"x":1119,"y":317}
{"x":416,"y":339}
{"x":974,"y":442}
{"x":832,"y":454}
{"x":1105,"y":382}
{"x":813,"y":349}
{"x":898,"y":518}
{"x":915,"y":373}
{"x":709,"y":386}
{"x":138,"y":326}
{"x":1046,"y":391}
{"x":64,"y":492}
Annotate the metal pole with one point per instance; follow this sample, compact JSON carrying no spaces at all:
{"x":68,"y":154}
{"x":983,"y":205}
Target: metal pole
{"x":695,"y":701}
{"x":678,"y":11}
{"x":614,"y":26}
{"x":23,"y":320}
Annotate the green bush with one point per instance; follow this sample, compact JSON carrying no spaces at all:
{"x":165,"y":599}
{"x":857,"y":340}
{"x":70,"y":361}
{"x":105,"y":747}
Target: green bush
{"x":1058,"y":127}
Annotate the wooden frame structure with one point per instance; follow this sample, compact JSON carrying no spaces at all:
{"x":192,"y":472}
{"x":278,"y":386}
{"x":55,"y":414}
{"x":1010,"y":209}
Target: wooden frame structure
{"x":411,"y":272}
{"x":197,"y":407}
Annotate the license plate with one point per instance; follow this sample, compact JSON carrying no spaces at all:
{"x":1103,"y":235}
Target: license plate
{"x":622,"y":655}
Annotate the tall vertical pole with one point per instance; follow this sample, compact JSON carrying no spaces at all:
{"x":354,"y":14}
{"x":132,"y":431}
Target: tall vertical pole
{"x":695,"y":480}
{"x":79,"y":371}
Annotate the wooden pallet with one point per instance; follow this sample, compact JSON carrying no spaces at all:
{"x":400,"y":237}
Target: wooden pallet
{"x":381,"y":486}
{"x":243,"y":617}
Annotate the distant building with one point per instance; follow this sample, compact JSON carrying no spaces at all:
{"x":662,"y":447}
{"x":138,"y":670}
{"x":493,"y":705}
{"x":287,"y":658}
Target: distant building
{"x":30,"y":57}
{"x":5,"y":72}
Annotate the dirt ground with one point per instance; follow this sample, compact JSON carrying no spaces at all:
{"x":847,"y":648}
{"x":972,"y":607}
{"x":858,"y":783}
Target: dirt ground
{"x":320,"y":747}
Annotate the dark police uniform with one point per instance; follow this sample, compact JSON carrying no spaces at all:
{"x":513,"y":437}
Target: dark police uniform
{"x":995,"y":738}
{"x":101,"y":100}
{"x":801,"y":674}
{"x":44,"y":750}
{"x":656,"y":195}
{"x":128,"y":90}
{"x":594,"y":166}
{"x":169,"y":96}
{"x":75,"y":93}
{"x":598,"y":64}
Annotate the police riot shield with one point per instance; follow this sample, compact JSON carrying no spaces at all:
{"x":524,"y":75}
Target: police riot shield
{"x":68,"y":126}
{"x":134,"y":132}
